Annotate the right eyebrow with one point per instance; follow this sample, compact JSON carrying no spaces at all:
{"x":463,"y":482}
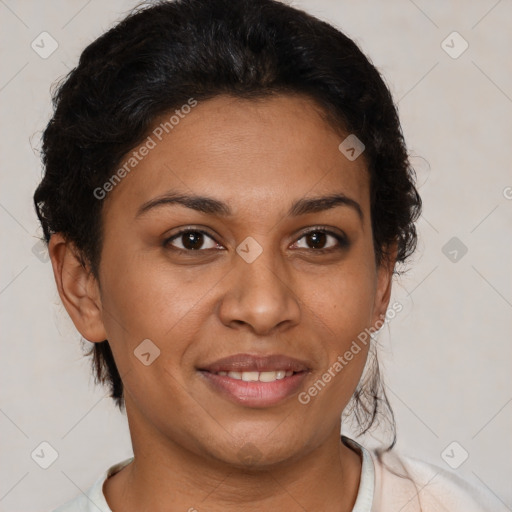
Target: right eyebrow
{"x":202,"y":204}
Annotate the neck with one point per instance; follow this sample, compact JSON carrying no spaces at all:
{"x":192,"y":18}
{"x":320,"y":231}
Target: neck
{"x":166,"y":476}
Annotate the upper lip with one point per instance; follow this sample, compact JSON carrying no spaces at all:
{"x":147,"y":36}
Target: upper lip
{"x":256,"y":363}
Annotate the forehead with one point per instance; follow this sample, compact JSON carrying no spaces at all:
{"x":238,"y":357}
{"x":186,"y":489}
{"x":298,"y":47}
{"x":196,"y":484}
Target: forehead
{"x":249,"y":153}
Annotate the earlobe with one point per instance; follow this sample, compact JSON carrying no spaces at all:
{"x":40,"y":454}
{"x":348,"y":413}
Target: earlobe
{"x":78,"y":288}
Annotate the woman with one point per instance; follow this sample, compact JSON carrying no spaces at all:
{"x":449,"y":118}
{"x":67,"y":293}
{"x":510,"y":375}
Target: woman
{"x":227,"y":197}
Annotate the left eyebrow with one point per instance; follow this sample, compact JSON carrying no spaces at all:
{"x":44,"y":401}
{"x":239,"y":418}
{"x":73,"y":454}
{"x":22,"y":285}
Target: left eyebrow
{"x":318,"y":204}
{"x":212,"y":206}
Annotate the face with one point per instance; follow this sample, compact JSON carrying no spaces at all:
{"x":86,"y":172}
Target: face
{"x":259,"y":277}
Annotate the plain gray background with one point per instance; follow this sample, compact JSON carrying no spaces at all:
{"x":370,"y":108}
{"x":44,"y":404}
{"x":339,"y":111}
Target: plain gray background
{"x":445,"y":358}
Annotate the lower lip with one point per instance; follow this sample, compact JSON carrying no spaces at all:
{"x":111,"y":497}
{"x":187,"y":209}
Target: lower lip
{"x":255,"y":394}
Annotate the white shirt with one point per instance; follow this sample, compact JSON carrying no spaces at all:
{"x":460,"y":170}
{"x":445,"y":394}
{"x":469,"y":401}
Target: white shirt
{"x":429,"y":488}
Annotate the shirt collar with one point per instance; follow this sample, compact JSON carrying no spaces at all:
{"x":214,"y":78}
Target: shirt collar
{"x":364,"y":499}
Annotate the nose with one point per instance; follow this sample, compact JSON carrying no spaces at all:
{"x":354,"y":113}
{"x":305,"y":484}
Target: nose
{"x":260,"y":296}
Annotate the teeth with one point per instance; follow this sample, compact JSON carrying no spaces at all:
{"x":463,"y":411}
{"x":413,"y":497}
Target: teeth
{"x":267,"y":376}
{"x":250,"y":376}
{"x":258,"y":376}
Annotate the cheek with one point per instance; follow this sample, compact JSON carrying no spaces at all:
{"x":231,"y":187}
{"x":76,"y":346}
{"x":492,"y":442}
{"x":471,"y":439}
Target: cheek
{"x":148,"y":296}
{"x":341,"y":305}
{"x":344,"y":315}
{"x":343,"y":299}
{"x":144,"y":302}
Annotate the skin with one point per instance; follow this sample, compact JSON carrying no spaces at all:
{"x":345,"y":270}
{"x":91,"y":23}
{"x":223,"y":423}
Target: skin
{"x":258,"y":157}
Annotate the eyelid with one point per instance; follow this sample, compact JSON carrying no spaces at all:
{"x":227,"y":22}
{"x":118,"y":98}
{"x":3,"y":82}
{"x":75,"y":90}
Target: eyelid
{"x":182,"y":231}
{"x":323,"y":229}
{"x":341,"y":238}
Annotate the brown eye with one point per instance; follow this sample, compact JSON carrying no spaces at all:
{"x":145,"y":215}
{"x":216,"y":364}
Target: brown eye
{"x":323,"y":240}
{"x":191,"y":240}
{"x":316,"y":239}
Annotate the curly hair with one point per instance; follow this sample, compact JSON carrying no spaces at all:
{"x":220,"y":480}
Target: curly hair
{"x":165,"y":52}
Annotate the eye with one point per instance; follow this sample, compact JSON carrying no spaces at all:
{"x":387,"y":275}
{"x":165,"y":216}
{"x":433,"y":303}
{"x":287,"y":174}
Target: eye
{"x":318,"y":238}
{"x":190,"y":240}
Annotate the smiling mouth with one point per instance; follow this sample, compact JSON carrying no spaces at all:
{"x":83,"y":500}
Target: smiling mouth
{"x":258,"y":376}
{"x":255,"y":389}
{"x":254,"y":380}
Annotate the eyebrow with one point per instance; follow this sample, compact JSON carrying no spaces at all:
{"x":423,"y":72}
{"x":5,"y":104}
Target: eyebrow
{"x":211,"y":206}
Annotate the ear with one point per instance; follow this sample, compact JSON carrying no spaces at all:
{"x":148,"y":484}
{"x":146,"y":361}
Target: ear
{"x":78,"y":288}
{"x":384,"y":282}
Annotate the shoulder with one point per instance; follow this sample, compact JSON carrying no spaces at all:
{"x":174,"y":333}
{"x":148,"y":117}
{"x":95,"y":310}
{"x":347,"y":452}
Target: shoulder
{"x":409,"y":484}
{"x":88,"y":501}
{"x":93,"y":500}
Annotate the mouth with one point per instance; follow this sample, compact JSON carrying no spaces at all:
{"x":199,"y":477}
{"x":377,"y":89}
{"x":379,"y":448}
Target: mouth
{"x":255,"y":381}
{"x":270,"y":376}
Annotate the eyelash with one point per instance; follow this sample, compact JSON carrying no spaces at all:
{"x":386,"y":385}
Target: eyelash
{"x":343,"y":243}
